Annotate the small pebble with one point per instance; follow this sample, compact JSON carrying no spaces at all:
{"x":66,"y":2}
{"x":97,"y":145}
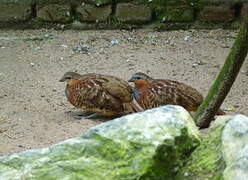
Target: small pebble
{"x":37,"y":48}
{"x":194,"y":65}
{"x":186,"y":38}
{"x":64,"y":46}
{"x":225,"y":46}
{"x":114,"y":42}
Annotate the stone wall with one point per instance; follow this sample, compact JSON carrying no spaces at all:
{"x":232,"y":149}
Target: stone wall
{"x":106,"y":14}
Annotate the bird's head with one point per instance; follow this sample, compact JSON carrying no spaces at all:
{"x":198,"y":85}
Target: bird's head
{"x":140,"y":79}
{"x":70,"y":76}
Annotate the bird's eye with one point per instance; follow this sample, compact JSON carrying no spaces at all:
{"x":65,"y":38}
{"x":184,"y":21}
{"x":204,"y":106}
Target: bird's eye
{"x":138,"y":78}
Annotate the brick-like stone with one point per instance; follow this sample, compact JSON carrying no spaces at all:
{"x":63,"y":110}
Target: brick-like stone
{"x":219,"y":2}
{"x":14,"y":11}
{"x":133,"y":13}
{"x":92,"y":2}
{"x":90,"y":13}
{"x":54,"y":13}
{"x":46,"y":2}
{"x":221,"y":13}
{"x":244,"y":11}
{"x":181,"y":13}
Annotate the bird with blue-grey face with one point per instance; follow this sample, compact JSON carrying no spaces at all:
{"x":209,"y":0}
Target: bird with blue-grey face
{"x":151,"y":93}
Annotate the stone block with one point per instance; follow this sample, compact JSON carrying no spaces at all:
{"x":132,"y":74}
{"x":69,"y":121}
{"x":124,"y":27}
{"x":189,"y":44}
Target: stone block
{"x":14,"y":11}
{"x":218,"y":2}
{"x":133,"y":13}
{"x":178,"y":14}
{"x":92,"y":2}
{"x":221,"y":13}
{"x":54,"y":13}
{"x":244,"y":11}
{"x":90,"y":13}
{"x":46,"y":2}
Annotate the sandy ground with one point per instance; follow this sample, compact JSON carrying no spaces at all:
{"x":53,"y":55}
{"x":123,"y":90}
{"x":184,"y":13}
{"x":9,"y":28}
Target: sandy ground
{"x":33,"y":108}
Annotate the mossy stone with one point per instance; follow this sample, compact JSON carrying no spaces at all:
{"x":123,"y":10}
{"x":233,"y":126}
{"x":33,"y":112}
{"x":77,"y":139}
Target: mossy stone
{"x":206,"y":162}
{"x":177,"y":14}
{"x":150,"y":145}
{"x":54,"y":13}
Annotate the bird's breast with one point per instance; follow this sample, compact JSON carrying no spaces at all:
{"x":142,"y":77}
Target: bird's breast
{"x":136,"y":93}
{"x":67,"y":92}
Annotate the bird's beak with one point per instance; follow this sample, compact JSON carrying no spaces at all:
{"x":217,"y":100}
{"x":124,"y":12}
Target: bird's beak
{"x":62,"y":80}
{"x":131,"y":80}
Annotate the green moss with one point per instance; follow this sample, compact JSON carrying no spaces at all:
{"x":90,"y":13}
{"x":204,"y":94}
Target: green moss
{"x":206,"y":161}
{"x":175,"y":153}
{"x":177,"y":14}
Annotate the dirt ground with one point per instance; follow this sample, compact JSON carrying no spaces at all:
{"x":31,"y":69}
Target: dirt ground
{"x":33,"y":107}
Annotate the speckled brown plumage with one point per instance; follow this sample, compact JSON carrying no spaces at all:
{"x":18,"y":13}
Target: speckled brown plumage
{"x":102,"y":94}
{"x":151,"y":93}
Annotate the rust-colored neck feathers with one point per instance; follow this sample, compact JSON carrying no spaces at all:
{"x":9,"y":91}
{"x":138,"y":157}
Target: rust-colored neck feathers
{"x":72,"y":82}
{"x":142,"y":84}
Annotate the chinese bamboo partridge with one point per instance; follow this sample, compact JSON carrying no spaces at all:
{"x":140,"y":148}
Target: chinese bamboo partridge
{"x":102,"y":94}
{"x":150,"y":93}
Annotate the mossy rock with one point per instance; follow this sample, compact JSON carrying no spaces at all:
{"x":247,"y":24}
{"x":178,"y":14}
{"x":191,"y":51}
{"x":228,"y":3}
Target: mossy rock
{"x":17,"y":2}
{"x":207,"y":162}
{"x":177,"y":14}
{"x":95,"y":2}
{"x":150,"y":145}
{"x":15,"y":11}
{"x":54,"y":13}
{"x":174,"y":10}
{"x":218,"y":2}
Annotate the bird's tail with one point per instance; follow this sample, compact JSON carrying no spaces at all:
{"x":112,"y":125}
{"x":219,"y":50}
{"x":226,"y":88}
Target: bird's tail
{"x":131,"y":107}
{"x":220,"y":112}
{"x":136,"y":107}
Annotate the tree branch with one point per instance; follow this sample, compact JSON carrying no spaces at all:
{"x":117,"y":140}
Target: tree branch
{"x":225,"y":79}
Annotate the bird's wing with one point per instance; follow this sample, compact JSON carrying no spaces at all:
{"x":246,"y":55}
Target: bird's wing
{"x":122,"y":91}
{"x":88,"y":76}
{"x":173,"y":92}
{"x":89,"y":94}
{"x":118,"y":88}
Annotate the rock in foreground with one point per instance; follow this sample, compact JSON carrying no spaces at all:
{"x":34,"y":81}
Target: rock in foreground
{"x":148,"y":145}
{"x":223,"y":153}
{"x":235,"y":148}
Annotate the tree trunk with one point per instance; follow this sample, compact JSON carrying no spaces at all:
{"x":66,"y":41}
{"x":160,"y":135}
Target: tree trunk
{"x":225,"y":79}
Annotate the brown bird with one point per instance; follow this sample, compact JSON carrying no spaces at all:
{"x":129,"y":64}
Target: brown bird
{"x":150,"y":93}
{"x":102,"y":94}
